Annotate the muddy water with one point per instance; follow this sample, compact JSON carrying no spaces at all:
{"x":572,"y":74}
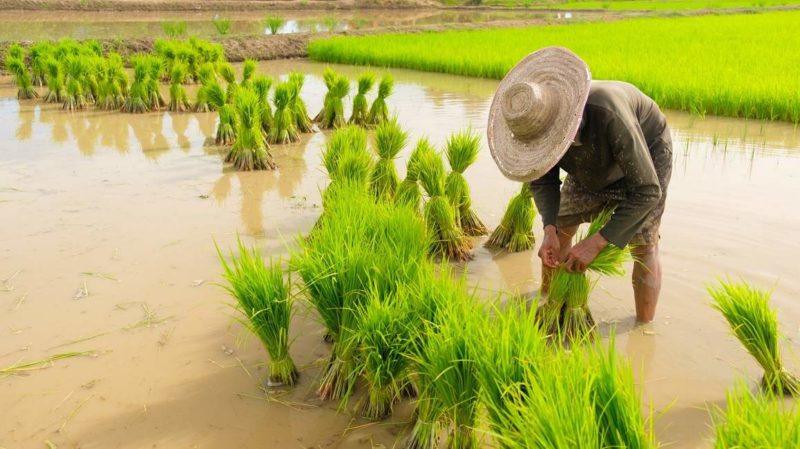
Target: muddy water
{"x":107,"y":231}
{"x":39,"y":25}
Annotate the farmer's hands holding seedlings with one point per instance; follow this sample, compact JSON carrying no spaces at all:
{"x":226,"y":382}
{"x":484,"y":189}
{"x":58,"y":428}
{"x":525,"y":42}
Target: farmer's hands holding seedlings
{"x":582,"y":254}
{"x":551,"y":248}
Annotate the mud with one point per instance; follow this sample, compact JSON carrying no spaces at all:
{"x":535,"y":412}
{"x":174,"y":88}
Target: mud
{"x":127,"y":208}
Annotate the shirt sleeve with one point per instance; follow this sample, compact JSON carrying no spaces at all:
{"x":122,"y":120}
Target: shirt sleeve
{"x":547,"y":195}
{"x":642,"y":189}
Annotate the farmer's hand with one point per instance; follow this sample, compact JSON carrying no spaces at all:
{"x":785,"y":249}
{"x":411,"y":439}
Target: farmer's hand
{"x":551,"y":248}
{"x":583,"y":254}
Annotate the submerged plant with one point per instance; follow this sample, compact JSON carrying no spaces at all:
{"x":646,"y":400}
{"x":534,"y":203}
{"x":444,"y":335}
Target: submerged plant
{"x":447,"y":239}
{"x":264,"y":298}
{"x":298,"y":106}
{"x":178,"y":100}
{"x":389,"y":141}
{"x":408,"y":191}
{"x":515,"y":231}
{"x":755,"y":324}
{"x":462,"y":150}
{"x":379,"y":111}
{"x":360,"y":114}
{"x":757,"y":421}
{"x":284,"y":125}
{"x":332,"y":114}
{"x":250,"y":151}
{"x":25,"y":90}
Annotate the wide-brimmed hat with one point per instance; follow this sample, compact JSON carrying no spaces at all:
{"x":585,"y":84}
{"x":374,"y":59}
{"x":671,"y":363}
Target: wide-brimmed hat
{"x":536,"y":112}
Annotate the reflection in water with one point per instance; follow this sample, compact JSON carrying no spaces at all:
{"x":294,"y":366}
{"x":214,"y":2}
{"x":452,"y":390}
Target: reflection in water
{"x":25,"y":127}
{"x":150,"y":134}
{"x":180,"y":123}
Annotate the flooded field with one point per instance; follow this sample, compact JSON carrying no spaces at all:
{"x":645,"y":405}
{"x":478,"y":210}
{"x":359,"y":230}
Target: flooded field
{"x":108,"y":224}
{"x":40,"y":25}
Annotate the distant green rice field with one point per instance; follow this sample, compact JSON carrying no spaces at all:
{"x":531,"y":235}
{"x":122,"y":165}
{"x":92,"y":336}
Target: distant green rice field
{"x":645,"y":5}
{"x":734,"y":65}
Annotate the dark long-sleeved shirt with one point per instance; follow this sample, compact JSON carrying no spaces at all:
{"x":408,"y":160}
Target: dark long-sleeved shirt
{"x":620,"y":123}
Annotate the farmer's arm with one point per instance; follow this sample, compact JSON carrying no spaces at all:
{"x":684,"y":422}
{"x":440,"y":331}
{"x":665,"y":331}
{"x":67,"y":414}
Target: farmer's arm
{"x":547,"y":196}
{"x":643,"y":191}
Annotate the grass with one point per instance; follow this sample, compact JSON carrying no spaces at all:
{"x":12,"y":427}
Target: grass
{"x":671,"y":59}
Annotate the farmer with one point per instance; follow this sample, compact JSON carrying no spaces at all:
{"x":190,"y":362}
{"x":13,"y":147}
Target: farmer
{"x":613,"y":143}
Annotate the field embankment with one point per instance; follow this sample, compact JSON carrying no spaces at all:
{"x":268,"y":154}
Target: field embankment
{"x":708,"y":65}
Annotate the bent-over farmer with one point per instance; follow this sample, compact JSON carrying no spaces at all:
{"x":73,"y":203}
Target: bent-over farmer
{"x":614,"y":145}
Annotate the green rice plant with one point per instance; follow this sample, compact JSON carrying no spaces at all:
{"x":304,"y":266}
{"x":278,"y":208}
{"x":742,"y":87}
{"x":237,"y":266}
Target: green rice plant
{"x":74,"y":98}
{"x":329,"y":78}
{"x":274,"y":23}
{"x":136,"y":101}
{"x":332,"y":114}
{"x":39,"y":53}
{"x":462,"y":151}
{"x":56,"y":89}
{"x":223,"y":26}
{"x":227,"y":73}
{"x":178,"y":100}
{"x":515,"y":231}
{"x":227,"y":126}
{"x":298,"y":106}
{"x":284,"y":124}
{"x":250,"y":150}
{"x":208,"y":79}
{"x":755,"y":324}
{"x":448,"y":241}
{"x":350,"y":139}
{"x":408,"y":191}
{"x":249,"y":67}
{"x":360,"y":114}
{"x":15,"y":51}
{"x":354,"y":168}
{"x":22,"y":78}
{"x":261,"y":86}
{"x":264,"y":298}
{"x":379,"y":111}
{"x":174,"y":29}
{"x":757,"y":421}
{"x":389,"y":141}
{"x":155,"y":67}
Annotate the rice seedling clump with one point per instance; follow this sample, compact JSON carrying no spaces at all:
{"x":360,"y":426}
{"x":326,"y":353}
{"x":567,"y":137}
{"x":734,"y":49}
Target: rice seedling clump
{"x":756,"y":420}
{"x":261,"y":86}
{"x":16,"y":66}
{"x":379,"y":111}
{"x":408,"y":191}
{"x":298,"y":106}
{"x":755,"y":324}
{"x":515,"y":231}
{"x":250,"y":150}
{"x":284,"y":124}
{"x":264,"y":299}
{"x":389,"y":141}
{"x":360,"y":114}
{"x":178,"y":100}
{"x":462,"y":150}
{"x":332,"y":114}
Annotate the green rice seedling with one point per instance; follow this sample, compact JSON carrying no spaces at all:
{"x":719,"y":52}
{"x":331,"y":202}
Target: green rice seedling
{"x":408,"y":191}
{"x":155,"y":67}
{"x":379,"y":111}
{"x":178,"y":100}
{"x":360,"y":114}
{"x":75,"y":70}
{"x":329,"y":78}
{"x":208,"y":79}
{"x":341,"y":141}
{"x":284,"y":125}
{"x":515,"y":231}
{"x":56,"y":89}
{"x":227,"y":73}
{"x":250,"y":150}
{"x":92,"y":78}
{"x":447,"y":239}
{"x":265,"y":300}
{"x":25,"y":89}
{"x":333,"y":109}
{"x":248,"y":71}
{"x":389,"y":141}
{"x":755,"y":324}
{"x":223,"y":26}
{"x":261,"y":86}
{"x":274,"y":24}
{"x":174,"y":29}
{"x":757,"y":421}
{"x":354,"y":168}
{"x":462,"y":151}
{"x":298,"y":106}
{"x":136,"y":101}
{"x":227,"y":126}
{"x":15,"y":51}
{"x":39,"y":53}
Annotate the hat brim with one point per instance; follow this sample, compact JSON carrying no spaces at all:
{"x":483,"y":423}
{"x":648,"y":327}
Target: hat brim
{"x":569,"y":78}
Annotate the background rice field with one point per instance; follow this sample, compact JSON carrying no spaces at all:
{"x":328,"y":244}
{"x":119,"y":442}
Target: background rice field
{"x":670,"y":59}
{"x":645,"y":5}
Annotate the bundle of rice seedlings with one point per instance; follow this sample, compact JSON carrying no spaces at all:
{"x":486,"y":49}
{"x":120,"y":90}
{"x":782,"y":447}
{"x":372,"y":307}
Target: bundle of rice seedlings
{"x":447,"y":239}
{"x":515,"y":231}
{"x":389,"y":141}
{"x":55,"y":81}
{"x":74,"y":98}
{"x":354,"y":168}
{"x":332,"y":115}
{"x":227,"y":73}
{"x":274,"y":23}
{"x":360,"y":114}
{"x":178,"y":100}
{"x":756,"y":421}
{"x":207,"y":76}
{"x":379,"y":111}
{"x":261,"y":86}
{"x":227,"y":126}
{"x":91,"y":82}
{"x":755,"y":324}
{"x":284,"y":125}
{"x":17,"y":67}
{"x":408,"y":191}
{"x":264,"y":298}
{"x":136,"y":101}
{"x":248,"y":71}
{"x":222,"y":25}
{"x":250,"y":150}
{"x":350,"y":139}
{"x":155,"y":67}
{"x":298,"y":106}
{"x":114,"y":83}
{"x":329,"y":78}
{"x":462,"y":150}
{"x":39,"y":53}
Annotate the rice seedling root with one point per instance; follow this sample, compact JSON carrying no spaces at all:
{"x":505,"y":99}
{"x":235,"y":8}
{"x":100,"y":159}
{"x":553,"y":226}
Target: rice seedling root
{"x":283,"y":372}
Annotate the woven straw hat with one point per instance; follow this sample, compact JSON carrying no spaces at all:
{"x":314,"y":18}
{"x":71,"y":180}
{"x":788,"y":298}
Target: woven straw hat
{"x":536,"y":112}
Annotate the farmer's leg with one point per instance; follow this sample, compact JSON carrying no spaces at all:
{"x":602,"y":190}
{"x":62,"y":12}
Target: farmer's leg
{"x":646,"y":281}
{"x":565,"y":242}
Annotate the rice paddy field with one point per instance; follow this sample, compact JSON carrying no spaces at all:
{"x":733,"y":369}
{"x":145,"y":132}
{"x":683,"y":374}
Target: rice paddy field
{"x":670,"y":59}
{"x":109,"y":270}
{"x":648,"y":5}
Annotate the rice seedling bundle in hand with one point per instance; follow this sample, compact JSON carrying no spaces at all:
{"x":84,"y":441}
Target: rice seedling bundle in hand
{"x":757,"y":421}
{"x":261,"y":86}
{"x":515,"y":231}
{"x":298,"y":106}
{"x":447,"y":239}
{"x":332,"y":115}
{"x":360,"y":114}
{"x":755,"y":324}
{"x":379,"y":111}
{"x":408,"y":191}
{"x":265,"y":300}
{"x":178,"y":100}
{"x":25,"y":89}
{"x":462,"y":150}
{"x":389,"y":141}
{"x":284,"y":124}
{"x":250,"y":150}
